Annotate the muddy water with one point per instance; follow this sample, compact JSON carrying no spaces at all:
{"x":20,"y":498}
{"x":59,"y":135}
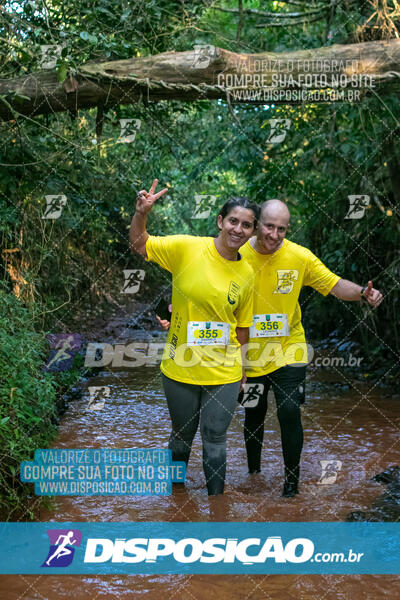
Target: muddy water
{"x":357,"y":427}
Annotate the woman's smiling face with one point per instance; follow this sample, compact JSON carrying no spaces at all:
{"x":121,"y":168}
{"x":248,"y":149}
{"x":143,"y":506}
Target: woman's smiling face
{"x":237,"y":227}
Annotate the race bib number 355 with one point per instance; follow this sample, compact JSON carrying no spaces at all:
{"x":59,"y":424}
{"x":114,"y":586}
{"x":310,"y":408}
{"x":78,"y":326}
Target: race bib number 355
{"x":207,"y":333}
{"x":274,"y":325}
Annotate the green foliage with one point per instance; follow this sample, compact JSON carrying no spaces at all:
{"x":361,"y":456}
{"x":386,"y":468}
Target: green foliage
{"x":203,"y":148}
{"x":28,"y":399}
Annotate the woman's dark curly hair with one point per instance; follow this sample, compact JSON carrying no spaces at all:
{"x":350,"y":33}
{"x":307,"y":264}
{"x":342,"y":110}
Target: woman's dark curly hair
{"x":244,"y":203}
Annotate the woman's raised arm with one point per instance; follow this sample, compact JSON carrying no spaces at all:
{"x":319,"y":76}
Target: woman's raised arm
{"x":138,"y":235}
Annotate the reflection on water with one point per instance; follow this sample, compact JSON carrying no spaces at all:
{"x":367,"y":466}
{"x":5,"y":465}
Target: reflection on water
{"x":351,"y":426}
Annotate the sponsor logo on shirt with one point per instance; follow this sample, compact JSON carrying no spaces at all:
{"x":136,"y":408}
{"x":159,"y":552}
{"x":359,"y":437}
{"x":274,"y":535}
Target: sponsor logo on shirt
{"x":286,"y":279}
{"x":233,"y":292}
{"x":172,"y":346}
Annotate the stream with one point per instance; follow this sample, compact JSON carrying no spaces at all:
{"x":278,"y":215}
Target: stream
{"x":349,"y":423}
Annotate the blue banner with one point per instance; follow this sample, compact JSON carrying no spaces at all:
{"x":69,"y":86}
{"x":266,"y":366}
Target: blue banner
{"x":103,"y":472}
{"x":190,"y":548}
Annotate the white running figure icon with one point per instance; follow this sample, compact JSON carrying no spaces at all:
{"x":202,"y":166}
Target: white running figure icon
{"x":66,"y":344}
{"x":62,"y":550}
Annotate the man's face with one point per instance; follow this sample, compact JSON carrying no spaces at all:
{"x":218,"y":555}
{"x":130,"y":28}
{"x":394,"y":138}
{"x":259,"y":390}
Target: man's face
{"x":272,"y":229}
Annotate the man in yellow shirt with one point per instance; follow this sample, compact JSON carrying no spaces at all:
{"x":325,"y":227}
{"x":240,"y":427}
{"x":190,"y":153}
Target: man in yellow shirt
{"x":277,"y":354}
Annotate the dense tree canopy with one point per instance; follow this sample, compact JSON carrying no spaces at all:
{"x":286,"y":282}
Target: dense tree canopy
{"x":207,"y":147}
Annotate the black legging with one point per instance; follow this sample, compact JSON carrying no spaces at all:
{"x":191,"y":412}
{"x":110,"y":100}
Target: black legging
{"x":288,"y":385}
{"x":211,"y":405}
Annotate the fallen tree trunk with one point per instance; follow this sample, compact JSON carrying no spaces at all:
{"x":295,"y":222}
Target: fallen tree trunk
{"x":205,"y":73}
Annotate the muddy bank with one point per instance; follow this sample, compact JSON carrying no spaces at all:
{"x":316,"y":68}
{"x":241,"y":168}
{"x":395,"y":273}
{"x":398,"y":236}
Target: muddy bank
{"x":385,"y":507}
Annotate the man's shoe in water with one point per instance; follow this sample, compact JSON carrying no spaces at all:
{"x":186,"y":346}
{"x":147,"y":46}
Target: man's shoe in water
{"x":289,"y":490}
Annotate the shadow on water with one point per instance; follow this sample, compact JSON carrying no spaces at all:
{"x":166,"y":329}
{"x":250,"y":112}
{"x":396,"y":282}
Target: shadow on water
{"x":357,"y":428}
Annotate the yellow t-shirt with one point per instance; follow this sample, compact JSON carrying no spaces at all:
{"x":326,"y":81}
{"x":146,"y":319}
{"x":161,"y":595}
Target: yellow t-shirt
{"x":279,"y":278}
{"x":206,"y":289}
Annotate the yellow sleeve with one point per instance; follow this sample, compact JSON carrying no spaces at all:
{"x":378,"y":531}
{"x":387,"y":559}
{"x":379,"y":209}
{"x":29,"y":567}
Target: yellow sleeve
{"x":318,"y":276}
{"x":244,"y":312}
{"x":166,"y":250}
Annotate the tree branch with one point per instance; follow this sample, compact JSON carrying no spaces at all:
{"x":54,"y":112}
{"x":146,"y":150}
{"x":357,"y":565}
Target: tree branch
{"x":241,"y":20}
{"x":289,"y":23}
{"x":263,"y":13}
{"x":180,"y":76}
{"x":330,"y":18}
{"x":301,"y":3}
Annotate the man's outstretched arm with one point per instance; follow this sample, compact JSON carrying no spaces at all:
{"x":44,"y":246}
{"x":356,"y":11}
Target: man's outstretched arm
{"x":347,"y":290}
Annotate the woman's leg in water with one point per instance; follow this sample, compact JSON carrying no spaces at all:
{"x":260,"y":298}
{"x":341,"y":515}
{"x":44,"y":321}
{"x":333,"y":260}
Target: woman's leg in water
{"x":183,"y":400}
{"x":218,"y":403}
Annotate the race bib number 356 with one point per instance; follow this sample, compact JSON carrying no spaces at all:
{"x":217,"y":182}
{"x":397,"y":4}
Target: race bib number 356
{"x":207,"y":333}
{"x":274,"y":325}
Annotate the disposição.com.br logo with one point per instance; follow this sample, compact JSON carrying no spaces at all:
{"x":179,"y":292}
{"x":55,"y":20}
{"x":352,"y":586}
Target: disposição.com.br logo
{"x":62,"y":547}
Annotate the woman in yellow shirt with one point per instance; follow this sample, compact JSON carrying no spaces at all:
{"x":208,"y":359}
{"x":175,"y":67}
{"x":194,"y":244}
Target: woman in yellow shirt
{"x":212,"y":299}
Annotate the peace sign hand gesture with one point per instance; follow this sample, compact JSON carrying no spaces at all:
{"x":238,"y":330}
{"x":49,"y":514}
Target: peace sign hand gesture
{"x":145,"y":200}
